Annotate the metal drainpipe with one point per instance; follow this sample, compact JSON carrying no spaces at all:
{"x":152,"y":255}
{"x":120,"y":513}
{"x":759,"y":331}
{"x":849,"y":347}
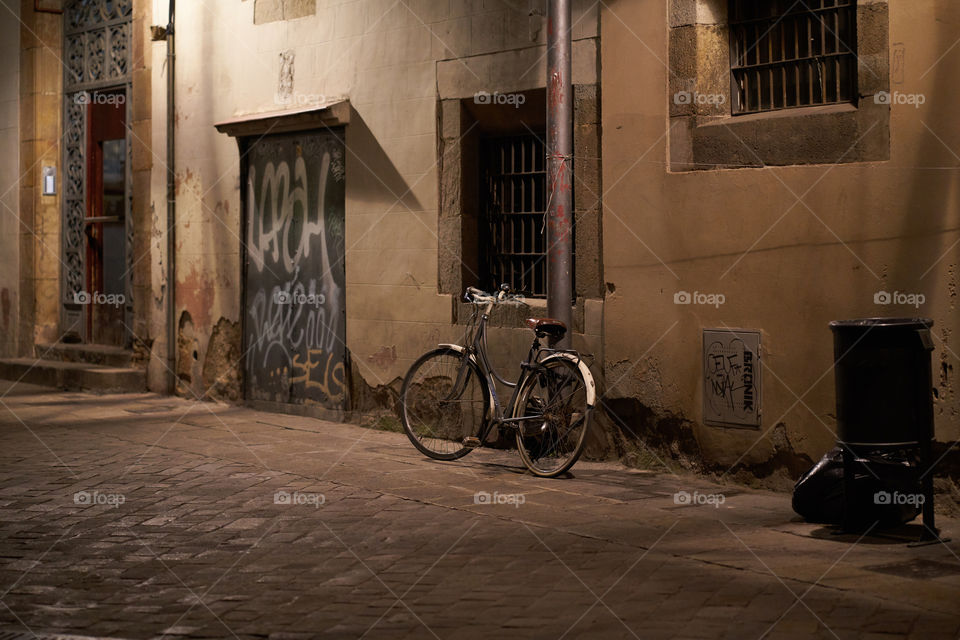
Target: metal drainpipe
{"x":171,"y":211}
{"x":559,"y":167}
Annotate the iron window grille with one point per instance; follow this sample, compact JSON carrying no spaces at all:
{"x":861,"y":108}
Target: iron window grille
{"x":792,"y":53}
{"x":514,"y":190}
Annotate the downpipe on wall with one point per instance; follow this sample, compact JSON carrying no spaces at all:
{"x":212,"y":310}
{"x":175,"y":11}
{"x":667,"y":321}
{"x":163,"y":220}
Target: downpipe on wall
{"x":171,"y":208}
{"x":559,"y":167}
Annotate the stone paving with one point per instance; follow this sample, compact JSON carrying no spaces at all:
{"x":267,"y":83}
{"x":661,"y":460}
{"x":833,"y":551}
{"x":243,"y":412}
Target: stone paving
{"x":140,"y":516}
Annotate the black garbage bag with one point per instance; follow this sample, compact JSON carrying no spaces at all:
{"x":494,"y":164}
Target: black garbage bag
{"x":886,"y":490}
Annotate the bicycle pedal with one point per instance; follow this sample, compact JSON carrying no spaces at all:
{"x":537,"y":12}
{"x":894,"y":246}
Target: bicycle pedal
{"x":471,"y":442}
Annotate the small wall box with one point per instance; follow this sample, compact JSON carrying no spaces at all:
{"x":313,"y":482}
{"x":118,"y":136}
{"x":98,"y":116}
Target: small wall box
{"x":731,"y":377}
{"x":49,"y":181}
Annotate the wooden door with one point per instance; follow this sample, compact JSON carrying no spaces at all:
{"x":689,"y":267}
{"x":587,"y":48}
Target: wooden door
{"x":104,"y":225}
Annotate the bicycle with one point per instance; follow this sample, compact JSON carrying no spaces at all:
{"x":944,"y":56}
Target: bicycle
{"x":449,"y":399}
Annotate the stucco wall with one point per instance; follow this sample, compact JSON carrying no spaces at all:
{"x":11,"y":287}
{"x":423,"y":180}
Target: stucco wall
{"x":41,"y":106}
{"x":790,"y":248}
{"x":388,"y":60}
{"x":9,"y":181}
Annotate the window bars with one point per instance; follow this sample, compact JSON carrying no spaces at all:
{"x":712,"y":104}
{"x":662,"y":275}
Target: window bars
{"x":792,"y":53}
{"x":514,"y":187}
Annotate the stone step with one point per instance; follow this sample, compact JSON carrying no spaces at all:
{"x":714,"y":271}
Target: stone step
{"x":30,"y":635}
{"x":90,"y":353}
{"x":74,"y":376}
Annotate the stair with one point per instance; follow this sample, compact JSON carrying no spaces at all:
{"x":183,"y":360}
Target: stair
{"x":78,"y":367}
{"x":101,"y":354}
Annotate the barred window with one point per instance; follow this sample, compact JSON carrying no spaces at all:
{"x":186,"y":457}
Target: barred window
{"x":792,"y":53}
{"x":513,"y":190}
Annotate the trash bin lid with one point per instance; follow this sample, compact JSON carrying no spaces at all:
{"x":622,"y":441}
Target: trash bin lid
{"x":870,"y":323}
{"x":883,"y":333}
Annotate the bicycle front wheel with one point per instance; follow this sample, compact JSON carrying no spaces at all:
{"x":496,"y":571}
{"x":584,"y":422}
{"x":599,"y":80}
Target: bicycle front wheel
{"x":444,"y":399}
{"x":553,"y":399}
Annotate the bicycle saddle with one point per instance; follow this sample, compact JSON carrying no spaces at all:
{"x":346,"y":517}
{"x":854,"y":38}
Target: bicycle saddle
{"x":547,"y":327}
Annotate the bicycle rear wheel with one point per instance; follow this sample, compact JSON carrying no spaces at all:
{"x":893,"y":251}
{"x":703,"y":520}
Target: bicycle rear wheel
{"x":444,"y":399}
{"x":554,"y":397}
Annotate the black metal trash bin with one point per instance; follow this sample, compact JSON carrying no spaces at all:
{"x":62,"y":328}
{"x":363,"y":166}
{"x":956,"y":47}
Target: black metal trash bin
{"x":885,"y":393}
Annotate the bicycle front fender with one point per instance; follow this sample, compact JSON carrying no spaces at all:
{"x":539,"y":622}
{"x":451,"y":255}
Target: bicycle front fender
{"x":591,"y":389}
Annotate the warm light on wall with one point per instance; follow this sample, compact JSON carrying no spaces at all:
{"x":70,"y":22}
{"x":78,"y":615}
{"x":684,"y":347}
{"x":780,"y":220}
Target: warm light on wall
{"x":158,"y":30}
{"x":160,"y":10}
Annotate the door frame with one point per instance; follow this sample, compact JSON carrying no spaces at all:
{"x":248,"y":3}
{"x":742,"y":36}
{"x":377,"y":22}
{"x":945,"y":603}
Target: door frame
{"x":74,"y":321}
{"x":88,"y":70}
{"x":292,"y":406}
{"x":338,"y":414}
{"x":332,"y":117}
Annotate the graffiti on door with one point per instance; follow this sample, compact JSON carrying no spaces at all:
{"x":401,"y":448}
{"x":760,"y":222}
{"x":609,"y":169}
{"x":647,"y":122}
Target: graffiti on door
{"x":295,"y":338}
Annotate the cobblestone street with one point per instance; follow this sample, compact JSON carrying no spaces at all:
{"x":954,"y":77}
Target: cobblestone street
{"x":140,"y":516}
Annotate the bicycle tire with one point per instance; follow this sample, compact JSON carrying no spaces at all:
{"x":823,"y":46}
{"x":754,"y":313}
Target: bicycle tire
{"x":559,"y":439}
{"x":437,"y":425}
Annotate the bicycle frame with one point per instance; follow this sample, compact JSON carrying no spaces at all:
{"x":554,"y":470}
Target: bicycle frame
{"x":477,"y":352}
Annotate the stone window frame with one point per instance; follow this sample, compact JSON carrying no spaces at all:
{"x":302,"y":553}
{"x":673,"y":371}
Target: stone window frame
{"x":705,"y":135}
{"x":458,"y":142}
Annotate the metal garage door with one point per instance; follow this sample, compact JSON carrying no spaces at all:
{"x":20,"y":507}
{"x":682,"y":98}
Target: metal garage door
{"x":294,"y":325}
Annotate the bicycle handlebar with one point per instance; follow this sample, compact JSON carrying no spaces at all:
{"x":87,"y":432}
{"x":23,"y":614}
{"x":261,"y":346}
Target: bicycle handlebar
{"x":504,"y":296}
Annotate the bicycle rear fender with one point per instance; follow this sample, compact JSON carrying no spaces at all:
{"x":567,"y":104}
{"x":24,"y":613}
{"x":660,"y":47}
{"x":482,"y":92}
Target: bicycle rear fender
{"x":591,"y":389}
{"x":473,"y":359}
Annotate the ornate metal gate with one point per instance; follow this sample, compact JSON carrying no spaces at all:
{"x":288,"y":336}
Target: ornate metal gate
{"x":96,"y":46}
